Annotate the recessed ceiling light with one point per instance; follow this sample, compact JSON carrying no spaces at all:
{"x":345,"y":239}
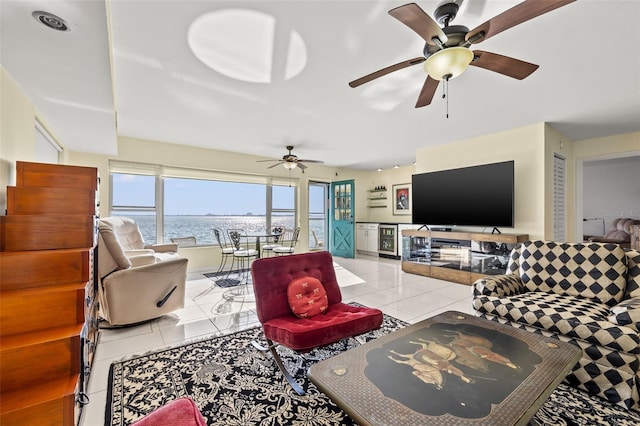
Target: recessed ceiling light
{"x":50,"y":20}
{"x":396,"y":166}
{"x":379,"y":169}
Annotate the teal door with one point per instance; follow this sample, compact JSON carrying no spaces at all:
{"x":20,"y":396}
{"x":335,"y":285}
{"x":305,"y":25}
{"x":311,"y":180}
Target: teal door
{"x":342,"y":223}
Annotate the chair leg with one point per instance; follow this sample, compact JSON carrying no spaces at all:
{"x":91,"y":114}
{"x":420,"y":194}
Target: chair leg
{"x":276,"y":356}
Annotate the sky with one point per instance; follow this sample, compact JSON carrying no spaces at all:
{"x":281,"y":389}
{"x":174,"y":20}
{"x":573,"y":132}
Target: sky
{"x":200,"y":197}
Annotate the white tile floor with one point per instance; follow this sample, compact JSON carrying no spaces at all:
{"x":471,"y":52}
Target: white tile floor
{"x":369,"y":280}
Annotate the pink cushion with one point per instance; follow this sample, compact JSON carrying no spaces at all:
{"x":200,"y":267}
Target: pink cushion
{"x":272,"y":275}
{"x":307,"y":297}
{"x":180,"y":412}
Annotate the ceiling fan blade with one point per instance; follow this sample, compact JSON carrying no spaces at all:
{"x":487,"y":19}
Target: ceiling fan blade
{"x":277,"y":164}
{"x":300,"y":165}
{"x":264,"y":161}
{"x":415,"y":18}
{"x":427,"y":92}
{"x":312,"y":161}
{"x":518,"y":14}
{"x":503,"y":64}
{"x":384,"y":71}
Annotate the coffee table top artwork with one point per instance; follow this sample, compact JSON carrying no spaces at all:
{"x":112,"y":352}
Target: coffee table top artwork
{"x":450,"y":369}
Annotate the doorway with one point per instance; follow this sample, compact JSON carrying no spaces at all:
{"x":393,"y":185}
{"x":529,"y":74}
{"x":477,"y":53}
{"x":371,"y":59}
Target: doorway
{"x":606,"y":189}
{"x":342,"y":219}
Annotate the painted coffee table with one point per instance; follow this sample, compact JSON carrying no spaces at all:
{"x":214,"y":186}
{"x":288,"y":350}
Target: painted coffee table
{"x":453,"y":368}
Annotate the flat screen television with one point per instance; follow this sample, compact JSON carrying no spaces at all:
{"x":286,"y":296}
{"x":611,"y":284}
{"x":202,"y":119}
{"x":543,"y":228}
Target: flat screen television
{"x":470,"y":196}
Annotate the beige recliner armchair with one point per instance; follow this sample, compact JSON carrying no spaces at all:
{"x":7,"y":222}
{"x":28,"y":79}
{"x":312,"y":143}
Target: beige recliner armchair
{"x":138,"y":282}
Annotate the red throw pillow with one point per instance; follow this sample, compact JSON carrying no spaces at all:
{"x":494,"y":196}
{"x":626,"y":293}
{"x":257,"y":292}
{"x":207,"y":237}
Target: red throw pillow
{"x":307,"y":297}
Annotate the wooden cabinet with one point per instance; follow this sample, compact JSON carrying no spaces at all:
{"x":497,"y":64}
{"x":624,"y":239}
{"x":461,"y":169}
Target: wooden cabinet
{"x":367,"y":237}
{"x":461,"y":257}
{"x":634,"y":230}
{"x":48,"y":313}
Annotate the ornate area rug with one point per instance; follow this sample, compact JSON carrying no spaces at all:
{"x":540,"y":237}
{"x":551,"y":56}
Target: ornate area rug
{"x":234,"y":384}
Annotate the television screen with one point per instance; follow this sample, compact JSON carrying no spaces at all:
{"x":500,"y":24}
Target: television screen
{"x":472,"y":196}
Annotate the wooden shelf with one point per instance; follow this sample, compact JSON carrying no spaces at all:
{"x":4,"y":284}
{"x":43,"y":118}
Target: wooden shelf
{"x":48,"y":321}
{"x":42,"y":403}
{"x":376,"y":207}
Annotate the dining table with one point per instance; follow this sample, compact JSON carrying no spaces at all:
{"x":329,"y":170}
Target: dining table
{"x":258,"y":237}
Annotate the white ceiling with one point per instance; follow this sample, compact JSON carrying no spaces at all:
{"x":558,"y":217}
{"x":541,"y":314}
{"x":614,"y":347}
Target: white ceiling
{"x":143,"y":71}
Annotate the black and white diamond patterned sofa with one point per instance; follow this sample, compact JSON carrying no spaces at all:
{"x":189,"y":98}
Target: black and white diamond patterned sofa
{"x":587,"y":294}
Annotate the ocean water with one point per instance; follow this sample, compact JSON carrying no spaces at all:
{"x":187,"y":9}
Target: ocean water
{"x":201,"y":226}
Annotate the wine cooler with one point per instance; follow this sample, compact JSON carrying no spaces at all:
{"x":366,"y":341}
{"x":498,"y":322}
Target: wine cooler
{"x":388,"y":240}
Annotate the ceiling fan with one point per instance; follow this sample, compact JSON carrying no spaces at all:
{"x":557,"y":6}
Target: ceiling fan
{"x":291,"y":161}
{"x":446,"y":52}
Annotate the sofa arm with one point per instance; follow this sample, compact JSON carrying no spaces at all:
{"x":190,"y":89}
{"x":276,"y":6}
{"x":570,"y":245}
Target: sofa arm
{"x":137,"y":252}
{"x":626,"y":313}
{"x":137,"y":294}
{"x":142,"y":259}
{"x":163,"y":248}
{"x":498,"y":286}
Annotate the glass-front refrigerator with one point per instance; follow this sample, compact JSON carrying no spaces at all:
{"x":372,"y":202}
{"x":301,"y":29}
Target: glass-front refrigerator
{"x":387,"y":240}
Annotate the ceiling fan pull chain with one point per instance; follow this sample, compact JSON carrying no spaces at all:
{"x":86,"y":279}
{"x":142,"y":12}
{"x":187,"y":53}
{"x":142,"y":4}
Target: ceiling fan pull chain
{"x":445,"y":91}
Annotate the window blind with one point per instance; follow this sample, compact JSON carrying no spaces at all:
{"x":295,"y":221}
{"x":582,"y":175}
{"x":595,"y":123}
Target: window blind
{"x":559,"y":216}
{"x":188,"y":173}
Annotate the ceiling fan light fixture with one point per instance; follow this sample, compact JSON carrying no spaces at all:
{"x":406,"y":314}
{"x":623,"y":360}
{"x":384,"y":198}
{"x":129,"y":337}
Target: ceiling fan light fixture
{"x":451,"y":62}
{"x":289,"y":165}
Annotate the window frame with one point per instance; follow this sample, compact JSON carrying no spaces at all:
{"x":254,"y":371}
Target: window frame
{"x":163,"y":172}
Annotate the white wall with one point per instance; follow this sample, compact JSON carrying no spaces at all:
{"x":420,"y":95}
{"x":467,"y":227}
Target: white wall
{"x":526,"y":146}
{"x":611,"y":190}
{"x":17,"y":132}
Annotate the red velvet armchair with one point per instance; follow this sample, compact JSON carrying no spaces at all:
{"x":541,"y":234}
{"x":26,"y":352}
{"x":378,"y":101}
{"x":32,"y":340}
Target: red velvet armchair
{"x":271,"y":279}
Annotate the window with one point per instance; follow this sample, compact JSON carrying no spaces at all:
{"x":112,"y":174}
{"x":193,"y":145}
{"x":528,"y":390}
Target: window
{"x":46,"y":150}
{"x":283,"y":210}
{"x":134,"y":196}
{"x":192,"y":207}
{"x":170,"y":202}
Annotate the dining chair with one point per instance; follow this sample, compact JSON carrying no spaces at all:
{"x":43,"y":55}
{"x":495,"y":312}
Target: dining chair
{"x":288,"y":249}
{"x":277,"y":232}
{"x":242,"y":253}
{"x":226,"y":249}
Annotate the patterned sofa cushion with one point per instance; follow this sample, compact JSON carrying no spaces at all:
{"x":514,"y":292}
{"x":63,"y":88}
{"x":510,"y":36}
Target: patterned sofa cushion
{"x":595,"y":271}
{"x":633,"y":274}
{"x":627,"y":313}
{"x":570,"y":316}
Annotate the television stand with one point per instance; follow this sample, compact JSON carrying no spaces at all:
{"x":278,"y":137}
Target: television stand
{"x":457,"y":256}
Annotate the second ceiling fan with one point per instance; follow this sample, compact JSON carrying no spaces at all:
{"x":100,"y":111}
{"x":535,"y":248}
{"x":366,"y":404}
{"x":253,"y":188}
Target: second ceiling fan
{"x":447,"y":50}
{"x":291,"y":161}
